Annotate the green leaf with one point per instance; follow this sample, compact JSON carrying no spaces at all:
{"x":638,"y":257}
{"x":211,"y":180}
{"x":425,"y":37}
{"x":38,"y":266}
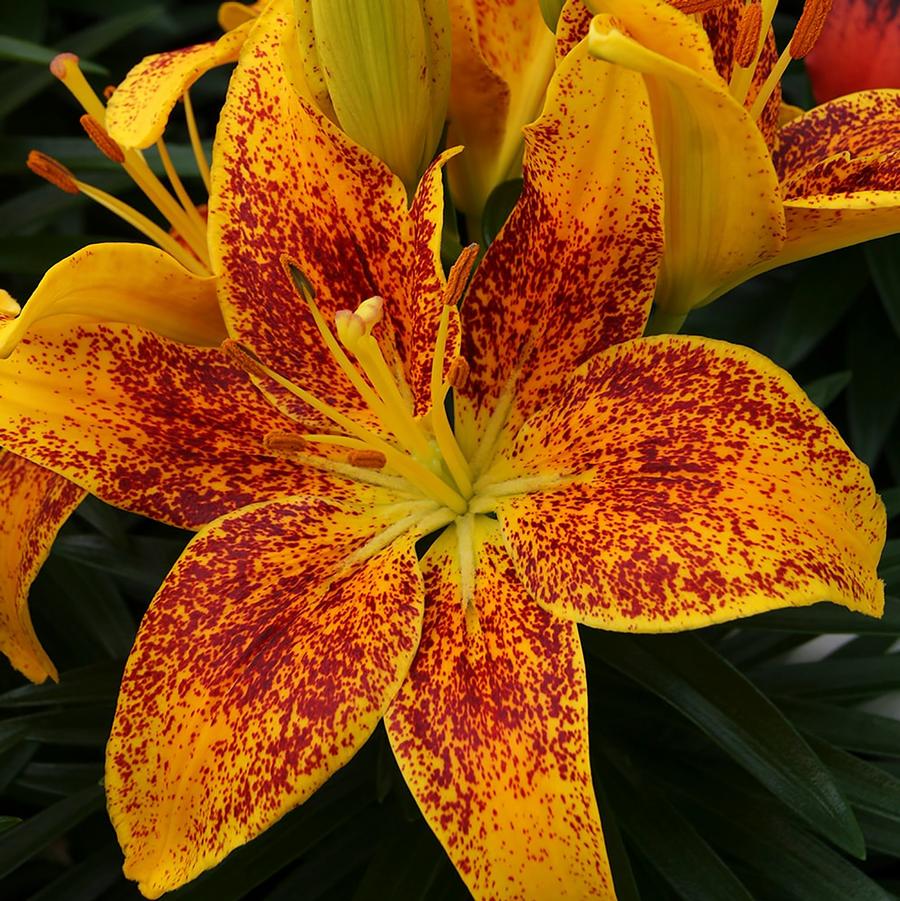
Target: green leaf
{"x":828,"y":618}
{"x":88,"y":880}
{"x":854,"y":730}
{"x":17,"y":50}
{"x":851,"y":677}
{"x":85,"y":727}
{"x":883,"y":257}
{"x":882,"y":833}
{"x":685,"y":672}
{"x":669,"y":841}
{"x":889,"y":565}
{"x":499,"y":205}
{"x":59,"y":778}
{"x":31,"y":837}
{"x":891,"y":498}
{"x":826,"y":389}
{"x":619,"y":860}
{"x":88,"y":685}
{"x":9,"y":822}
{"x":149,"y":562}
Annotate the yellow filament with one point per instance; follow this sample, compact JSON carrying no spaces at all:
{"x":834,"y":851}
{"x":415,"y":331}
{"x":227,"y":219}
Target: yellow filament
{"x":742,"y":77}
{"x":406,"y":432}
{"x":770,"y":83}
{"x":486,"y":446}
{"x":199,"y":155}
{"x":355,"y":473}
{"x":179,"y":189}
{"x":418,"y":474}
{"x":70,"y":74}
{"x":466,"y":547}
{"x":145,"y":226}
{"x":443,"y":433}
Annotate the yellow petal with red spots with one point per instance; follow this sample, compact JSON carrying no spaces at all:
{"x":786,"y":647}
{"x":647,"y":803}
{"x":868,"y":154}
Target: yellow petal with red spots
{"x":132,"y":283}
{"x":139,"y":109}
{"x":723,"y":210}
{"x":34,"y":503}
{"x":289,"y":184}
{"x":690,"y":482}
{"x":574,"y":268}
{"x":260,"y":668}
{"x":167,"y":430}
{"x":232,"y":14}
{"x":490,"y":732}
{"x":502,"y":63}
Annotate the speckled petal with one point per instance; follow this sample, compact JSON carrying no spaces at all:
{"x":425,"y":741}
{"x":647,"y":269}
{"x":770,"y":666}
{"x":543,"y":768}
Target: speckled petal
{"x":258,"y":671}
{"x":723,"y":210}
{"x":137,"y":112}
{"x":490,"y":732}
{"x":34,"y":503}
{"x":232,"y":14}
{"x":502,"y":63}
{"x":288,"y":183}
{"x":574,"y":268}
{"x":166,"y":430}
{"x":704,"y":486}
{"x":132,"y":283}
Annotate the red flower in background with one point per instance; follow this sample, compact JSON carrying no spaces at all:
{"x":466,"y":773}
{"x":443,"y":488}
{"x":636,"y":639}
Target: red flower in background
{"x":859,"y":49}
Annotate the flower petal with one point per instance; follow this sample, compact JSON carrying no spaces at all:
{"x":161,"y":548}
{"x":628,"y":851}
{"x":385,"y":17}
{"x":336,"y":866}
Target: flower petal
{"x":137,"y":112}
{"x":34,"y":503}
{"x":232,"y":14}
{"x":335,"y":209}
{"x":574,"y":268}
{"x":502,"y":63}
{"x":864,"y":124}
{"x":131,"y":283}
{"x":490,"y":732}
{"x":167,"y":430}
{"x":697,"y":483}
{"x":259,"y":670}
{"x":723,"y":210}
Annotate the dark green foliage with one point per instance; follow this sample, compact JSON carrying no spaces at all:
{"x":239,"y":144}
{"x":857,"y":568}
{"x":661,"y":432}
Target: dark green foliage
{"x":725,"y":769}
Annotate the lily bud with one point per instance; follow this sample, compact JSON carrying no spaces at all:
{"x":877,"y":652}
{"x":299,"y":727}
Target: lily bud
{"x":385,"y":65}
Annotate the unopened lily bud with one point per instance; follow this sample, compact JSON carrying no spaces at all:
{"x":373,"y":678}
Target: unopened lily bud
{"x":385,"y":65}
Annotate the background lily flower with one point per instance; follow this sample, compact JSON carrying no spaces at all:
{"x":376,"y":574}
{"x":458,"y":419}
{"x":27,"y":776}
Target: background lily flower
{"x":592,"y":476}
{"x":742,"y":198}
{"x":859,"y":49}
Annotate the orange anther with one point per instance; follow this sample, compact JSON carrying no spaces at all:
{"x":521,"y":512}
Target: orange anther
{"x":100,"y":136}
{"x":695,"y":6}
{"x":459,"y":274}
{"x":61,"y":64}
{"x":810,"y":26}
{"x":747,"y":41}
{"x":367,"y":459}
{"x":53,"y":171}
{"x":108,"y":91}
{"x":237,"y":355}
{"x":285,"y":442}
{"x":458,"y":373}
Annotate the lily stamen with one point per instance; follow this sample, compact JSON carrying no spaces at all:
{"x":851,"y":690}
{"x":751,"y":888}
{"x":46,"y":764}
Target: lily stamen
{"x":102,"y":141}
{"x":197,"y":147}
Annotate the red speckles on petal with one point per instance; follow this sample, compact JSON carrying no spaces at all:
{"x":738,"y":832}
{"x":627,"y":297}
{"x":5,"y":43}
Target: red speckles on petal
{"x":258,"y":671}
{"x":490,"y":732}
{"x":34,"y":503}
{"x":704,"y":486}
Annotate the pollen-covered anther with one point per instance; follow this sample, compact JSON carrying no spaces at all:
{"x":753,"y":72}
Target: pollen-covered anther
{"x":241,"y":358}
{"x":285,"y":443}
{"x":809,"y":28}
{"x":458,"y":373}
{"x":749,"y":29}
{"x":100,"y":136}
{"x":459,"y":274}
{"x":696,"y":6}
{"x":53,"y":171}
{"x":367,"y":459}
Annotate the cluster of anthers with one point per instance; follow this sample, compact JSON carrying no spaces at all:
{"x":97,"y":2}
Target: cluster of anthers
{"x":186,"y":238}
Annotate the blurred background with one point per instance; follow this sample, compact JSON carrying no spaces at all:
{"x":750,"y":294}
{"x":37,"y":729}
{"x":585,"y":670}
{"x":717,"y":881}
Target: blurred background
{"x":699,"y":799}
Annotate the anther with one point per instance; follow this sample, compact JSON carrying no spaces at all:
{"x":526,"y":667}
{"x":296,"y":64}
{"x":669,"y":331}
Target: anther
{"x":689,"y":7}
{"x":459,"y":274}
{"x":285,"y":443}
{"x":53,"y":171}
{"x":237,"y":355}
{"x":9,"y":307}
{"x":809,"y":28}
{"x":749,"y":29}
{"x":367,"y":459}
{"x":100,"y":136}
{"x":458,"y":373}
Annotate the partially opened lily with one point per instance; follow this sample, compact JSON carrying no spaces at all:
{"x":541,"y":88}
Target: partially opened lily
{"x":744,"y":195}
{"x":590,"y":476}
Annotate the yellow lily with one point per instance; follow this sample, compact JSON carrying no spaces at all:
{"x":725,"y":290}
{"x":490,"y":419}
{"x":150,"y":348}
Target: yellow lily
{"x":749,"y":185}
{"x":591,"y":476}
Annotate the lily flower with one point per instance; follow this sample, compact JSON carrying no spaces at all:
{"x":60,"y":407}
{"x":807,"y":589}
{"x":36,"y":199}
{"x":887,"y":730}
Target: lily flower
{"x":588,"y":475}
{"x":744,"y":195}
